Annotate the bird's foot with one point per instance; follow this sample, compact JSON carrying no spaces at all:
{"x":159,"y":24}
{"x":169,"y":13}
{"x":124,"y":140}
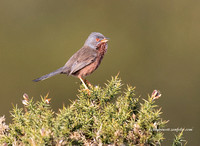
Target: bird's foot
{"x":86,"y":87}
{"x":88,"y":83}
{"x":87,"y":90}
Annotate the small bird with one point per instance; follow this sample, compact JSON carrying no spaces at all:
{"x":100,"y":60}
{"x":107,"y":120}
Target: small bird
{"x":85,"y":61}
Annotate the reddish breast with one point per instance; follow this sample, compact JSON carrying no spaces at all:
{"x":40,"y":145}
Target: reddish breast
{"x":93,"y":66}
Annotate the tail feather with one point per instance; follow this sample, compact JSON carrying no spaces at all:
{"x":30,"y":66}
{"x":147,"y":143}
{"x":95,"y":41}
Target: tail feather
{"x":58,"y":71}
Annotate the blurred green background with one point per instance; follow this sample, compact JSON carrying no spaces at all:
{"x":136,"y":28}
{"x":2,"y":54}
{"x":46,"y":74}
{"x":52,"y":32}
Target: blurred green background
{"x":153,"y":44}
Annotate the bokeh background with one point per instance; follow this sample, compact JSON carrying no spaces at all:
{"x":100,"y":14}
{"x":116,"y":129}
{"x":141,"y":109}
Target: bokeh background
{"x":153,"y":44}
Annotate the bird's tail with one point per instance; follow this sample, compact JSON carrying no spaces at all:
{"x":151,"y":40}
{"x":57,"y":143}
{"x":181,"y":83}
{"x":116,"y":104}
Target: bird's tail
{"x":58,"y":71}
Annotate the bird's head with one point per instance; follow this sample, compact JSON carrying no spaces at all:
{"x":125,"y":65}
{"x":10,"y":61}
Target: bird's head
{"x":95,"y":39}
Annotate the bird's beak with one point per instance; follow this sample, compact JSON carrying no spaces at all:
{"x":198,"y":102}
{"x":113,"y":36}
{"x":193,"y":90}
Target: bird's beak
{"x":104,"y":40}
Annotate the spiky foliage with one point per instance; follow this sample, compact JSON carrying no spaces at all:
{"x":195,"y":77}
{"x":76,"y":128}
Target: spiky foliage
{"x":105,"y":115}
{"x":179,"y":140}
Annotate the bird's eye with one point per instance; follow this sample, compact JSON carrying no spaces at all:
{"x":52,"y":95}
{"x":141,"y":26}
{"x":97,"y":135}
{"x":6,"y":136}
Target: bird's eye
{"x":97,"y":39}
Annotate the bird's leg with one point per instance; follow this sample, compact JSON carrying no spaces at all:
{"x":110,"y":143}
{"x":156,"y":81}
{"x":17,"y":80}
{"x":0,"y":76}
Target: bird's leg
{"x":86,"y":88}
{"x":82,"y":80}
{"x":88,"y":83}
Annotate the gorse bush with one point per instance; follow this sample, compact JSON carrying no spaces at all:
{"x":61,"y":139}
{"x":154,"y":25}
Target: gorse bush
{"x":103,"y":116}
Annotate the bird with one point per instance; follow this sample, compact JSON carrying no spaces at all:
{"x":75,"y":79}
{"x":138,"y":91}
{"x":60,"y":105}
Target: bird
{"x":85,"y":61}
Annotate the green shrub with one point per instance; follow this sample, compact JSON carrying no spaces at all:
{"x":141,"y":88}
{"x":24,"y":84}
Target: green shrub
{"x":100,"y":117}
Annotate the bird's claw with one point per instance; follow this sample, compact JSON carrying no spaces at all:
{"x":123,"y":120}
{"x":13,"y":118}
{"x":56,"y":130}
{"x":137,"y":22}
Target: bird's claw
{"x":87,"y":90}
{"x":88,"y":83}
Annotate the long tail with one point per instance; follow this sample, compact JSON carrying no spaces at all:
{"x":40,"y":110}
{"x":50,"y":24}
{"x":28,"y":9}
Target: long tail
{"x":58,"y":71}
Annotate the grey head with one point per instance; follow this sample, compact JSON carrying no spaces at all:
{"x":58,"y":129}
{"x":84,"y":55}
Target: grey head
{"x":94,"y":39}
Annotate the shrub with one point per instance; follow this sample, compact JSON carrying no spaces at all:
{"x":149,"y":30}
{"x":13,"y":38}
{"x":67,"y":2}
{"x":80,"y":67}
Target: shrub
{"x":102,"y":116}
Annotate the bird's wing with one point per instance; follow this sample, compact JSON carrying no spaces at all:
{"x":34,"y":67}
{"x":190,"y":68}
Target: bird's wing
{"x":80,"y":59}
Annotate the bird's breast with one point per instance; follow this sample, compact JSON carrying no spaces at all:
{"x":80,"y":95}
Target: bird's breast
{"x":94,"y":65}
{"x":102,"y":49}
